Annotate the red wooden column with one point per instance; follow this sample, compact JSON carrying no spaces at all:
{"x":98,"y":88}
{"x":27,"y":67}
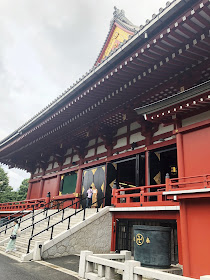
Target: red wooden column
{"x":78,"y":186}
{"x":180,"y":154}
{"x":29,"y":187}
{"x":42,"y":183}
{"x":179,"y":239}
{"x":184,"y":236}
{"x":180,"y":151}
{"x":113,"y":238}
{"x":58,"y":179}
{"x":29,"y":191}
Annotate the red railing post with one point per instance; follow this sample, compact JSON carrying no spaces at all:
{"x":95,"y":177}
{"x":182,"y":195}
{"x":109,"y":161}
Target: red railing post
{"x":167,"y":182}
{"x":114,"y":197}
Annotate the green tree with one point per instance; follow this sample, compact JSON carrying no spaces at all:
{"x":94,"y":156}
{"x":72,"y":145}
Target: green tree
{"x":23,"y":189}
{"x":8,"y":195}
{"x":4,"y":180}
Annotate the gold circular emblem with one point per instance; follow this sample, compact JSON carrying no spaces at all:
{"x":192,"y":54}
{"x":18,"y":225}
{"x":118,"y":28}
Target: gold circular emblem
{"x":139,"y":239}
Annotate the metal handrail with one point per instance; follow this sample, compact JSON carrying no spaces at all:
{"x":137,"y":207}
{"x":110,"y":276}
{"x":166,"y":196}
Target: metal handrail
{"x":44,"y":210}
{"x":11,"y":220}
{"x":61,"y":221}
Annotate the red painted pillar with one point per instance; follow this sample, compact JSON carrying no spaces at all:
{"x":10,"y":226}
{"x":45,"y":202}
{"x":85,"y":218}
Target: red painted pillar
{"x":78,"y":189}
{"x":180,"y":155}
{"x":29,"y":187}
{"x":42,"y":184}
{"x":114,"y":198}
{"x":41,"y":188}
{"x":29,"y":191}
{"x":58,"y":179}
{"x":184,"y":239}
{"x":113,"y":238}
{"x":179,"y":239}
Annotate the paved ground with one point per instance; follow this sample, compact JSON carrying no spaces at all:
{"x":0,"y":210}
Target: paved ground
{"x":69,"y":262}
{"x":11,"y":269}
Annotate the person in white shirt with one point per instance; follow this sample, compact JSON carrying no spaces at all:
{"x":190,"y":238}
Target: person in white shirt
{"x":89,"y":197}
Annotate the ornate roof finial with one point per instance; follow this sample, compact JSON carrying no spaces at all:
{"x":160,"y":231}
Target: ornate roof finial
{"x":119,"y":15}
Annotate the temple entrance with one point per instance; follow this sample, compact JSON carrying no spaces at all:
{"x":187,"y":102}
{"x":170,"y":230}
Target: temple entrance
{"x":161,"y":162}
{"x":130,"y":172}
{"x":95,"y":178}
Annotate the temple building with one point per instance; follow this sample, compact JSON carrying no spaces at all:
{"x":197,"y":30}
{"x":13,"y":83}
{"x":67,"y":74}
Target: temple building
{"x":136,"y":128}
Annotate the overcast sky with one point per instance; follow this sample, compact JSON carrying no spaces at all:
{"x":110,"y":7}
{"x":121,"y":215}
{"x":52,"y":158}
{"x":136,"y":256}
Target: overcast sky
{"x":45,"y":46}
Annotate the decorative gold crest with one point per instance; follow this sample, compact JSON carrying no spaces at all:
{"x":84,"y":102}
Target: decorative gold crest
{"x":139,"y":239}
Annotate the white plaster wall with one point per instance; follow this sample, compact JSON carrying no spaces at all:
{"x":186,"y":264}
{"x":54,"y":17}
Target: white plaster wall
{"x":67,"y":161}
{"x":75,"y":158}
{"x":90,"y":153}
{"x":51,"y":158}
{"x":121,"y":142}
{"x":134,"y":126}
{"x":163,"y":129}
{"x":69,"y":151}
{"x":101,"y":149}
{"x":136,"y":137}
{"x":55,"y":165}
{"x":92,"y":142}
{"x":100,"y":140}
{"x":198,"y":118}
{"x":122,"y":130}
{"x":36,"y":171}
{"x":49,"y":166}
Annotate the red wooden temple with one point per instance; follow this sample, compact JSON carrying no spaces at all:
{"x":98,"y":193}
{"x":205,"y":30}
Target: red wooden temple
{"x":136,"y":126}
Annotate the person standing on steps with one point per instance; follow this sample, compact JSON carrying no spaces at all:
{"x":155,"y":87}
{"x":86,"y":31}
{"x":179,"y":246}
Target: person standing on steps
{"x":94,"y":197}
{"x":89,"y":197}
{"x":13,"y":237}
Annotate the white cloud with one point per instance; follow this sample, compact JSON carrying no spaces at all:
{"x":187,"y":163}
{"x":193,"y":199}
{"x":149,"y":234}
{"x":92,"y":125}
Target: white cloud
{"x":47,"y":45}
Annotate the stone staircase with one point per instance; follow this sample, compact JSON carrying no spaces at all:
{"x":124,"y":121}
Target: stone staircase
{"x":22,"y":240}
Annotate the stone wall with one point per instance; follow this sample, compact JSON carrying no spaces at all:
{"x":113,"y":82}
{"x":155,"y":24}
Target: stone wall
{"x":93,"y":234}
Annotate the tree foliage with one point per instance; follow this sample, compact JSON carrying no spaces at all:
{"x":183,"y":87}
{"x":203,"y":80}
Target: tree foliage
{"x":22,"y":191}
{"x":7,"y":194}
{"x":4,"y":181}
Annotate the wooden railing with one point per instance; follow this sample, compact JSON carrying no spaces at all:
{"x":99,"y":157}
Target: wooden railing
{"x":191,"y":182}
{"x":21,"y":205}
{"x":141,"y":196}
{"x":155,"y":195}
{"x":39,"y":203}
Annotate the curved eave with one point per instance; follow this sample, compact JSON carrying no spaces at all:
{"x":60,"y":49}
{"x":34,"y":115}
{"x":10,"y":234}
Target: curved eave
{"x":181,"y":102}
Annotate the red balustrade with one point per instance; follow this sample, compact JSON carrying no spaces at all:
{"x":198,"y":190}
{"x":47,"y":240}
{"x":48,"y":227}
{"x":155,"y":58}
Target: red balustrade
{"x":154,"y":195}
{"x":187,"y":183}
{"x":22,"y":205}
{"x":141,"y":196}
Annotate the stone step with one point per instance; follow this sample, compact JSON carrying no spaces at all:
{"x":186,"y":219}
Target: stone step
{"x":16,"y":253}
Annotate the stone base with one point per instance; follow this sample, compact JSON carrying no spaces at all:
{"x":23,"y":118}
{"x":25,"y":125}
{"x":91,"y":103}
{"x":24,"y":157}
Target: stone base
{"x":173,"y":269}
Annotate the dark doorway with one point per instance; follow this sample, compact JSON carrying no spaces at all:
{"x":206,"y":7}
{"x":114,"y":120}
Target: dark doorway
{"x":126,"y":173}
{"x":161,"y":162}
{"x":130,"y":172}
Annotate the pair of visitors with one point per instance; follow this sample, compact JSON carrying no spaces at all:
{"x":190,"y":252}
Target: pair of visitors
{"x":13,"y":237}
{"x":89,"y":197}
